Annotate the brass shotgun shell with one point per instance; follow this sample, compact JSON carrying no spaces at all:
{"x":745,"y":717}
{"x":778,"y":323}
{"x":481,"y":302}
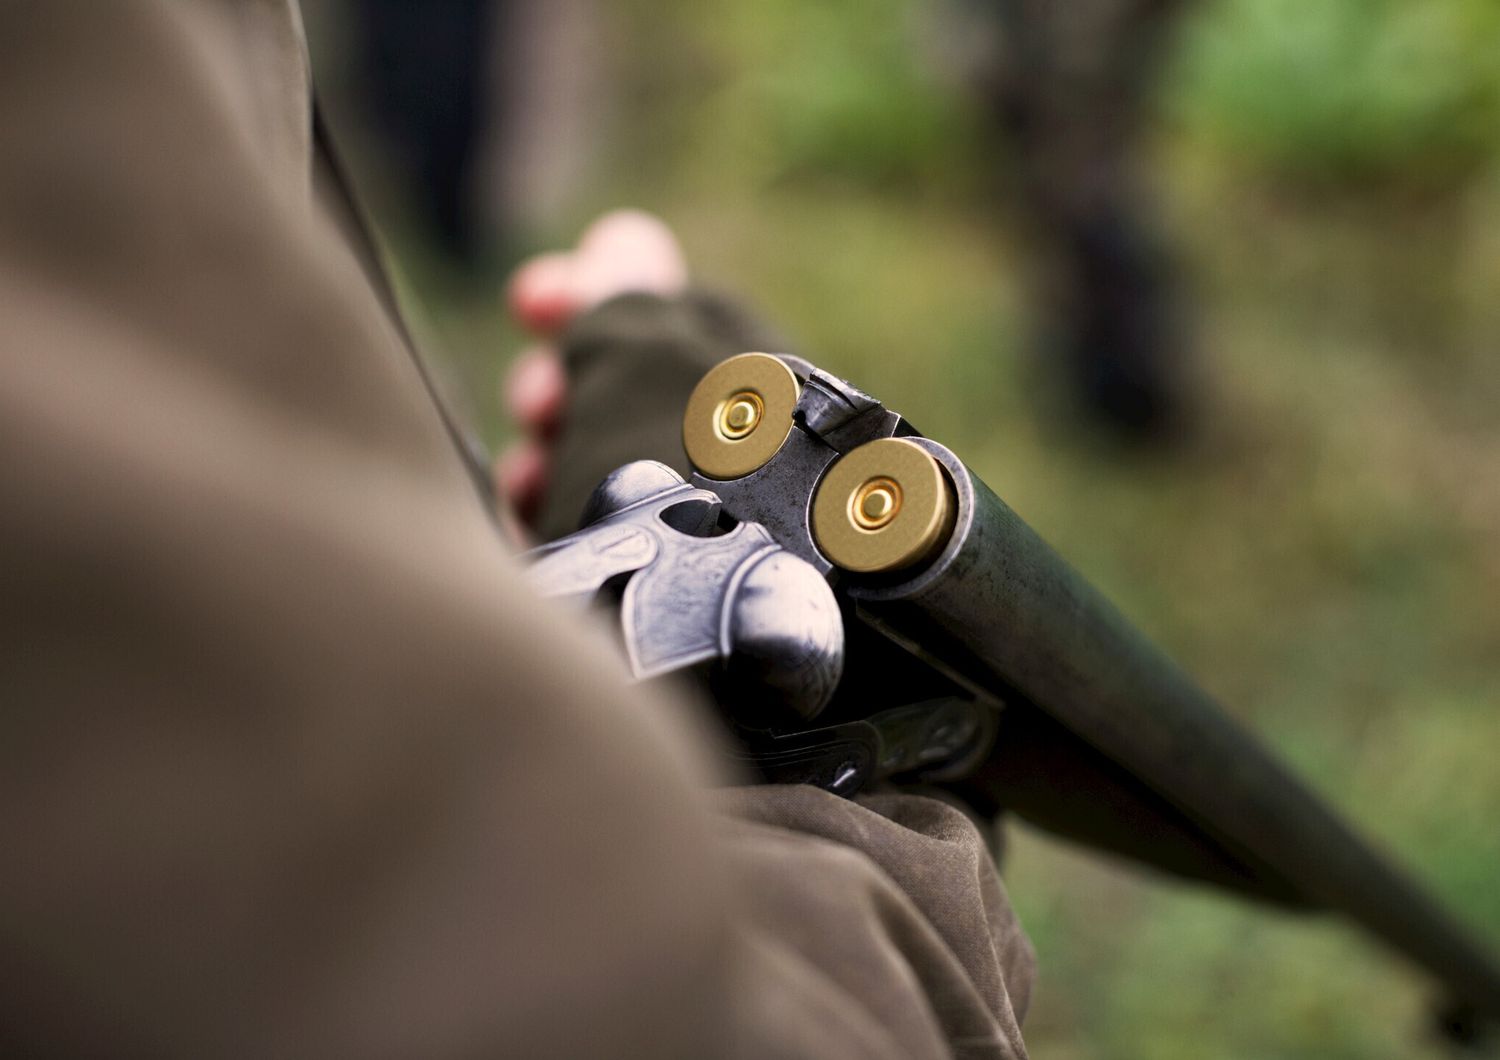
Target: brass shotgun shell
{"x":883,"y":507}
{"x":739,"y":414}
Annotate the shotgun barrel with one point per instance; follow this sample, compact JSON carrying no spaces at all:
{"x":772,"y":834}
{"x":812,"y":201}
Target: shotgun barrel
{"x":923,"y":551}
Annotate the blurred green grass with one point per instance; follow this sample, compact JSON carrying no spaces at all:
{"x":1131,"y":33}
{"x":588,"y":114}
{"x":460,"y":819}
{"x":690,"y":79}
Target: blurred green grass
{"x":1326,"y":556}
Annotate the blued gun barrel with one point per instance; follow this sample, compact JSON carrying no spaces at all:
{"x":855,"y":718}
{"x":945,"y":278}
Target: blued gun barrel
{"x":1002,"y":607}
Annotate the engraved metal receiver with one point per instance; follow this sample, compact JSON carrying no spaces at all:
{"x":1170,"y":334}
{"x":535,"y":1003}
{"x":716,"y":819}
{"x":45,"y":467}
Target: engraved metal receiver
{"x":695,"y":592}
{"x":693,"y":595}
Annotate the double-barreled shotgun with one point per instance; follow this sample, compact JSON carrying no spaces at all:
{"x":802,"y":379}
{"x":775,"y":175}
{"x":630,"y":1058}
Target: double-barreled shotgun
{"x":924,"y":631}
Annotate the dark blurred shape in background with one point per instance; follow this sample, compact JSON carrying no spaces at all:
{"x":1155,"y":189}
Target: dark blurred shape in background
{"x":425,"y":73}
{"x":471,"y":122}
{"x":1072,"y":87}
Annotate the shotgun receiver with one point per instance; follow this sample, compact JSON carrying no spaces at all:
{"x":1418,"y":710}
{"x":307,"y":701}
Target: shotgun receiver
{"x":865,"y":608}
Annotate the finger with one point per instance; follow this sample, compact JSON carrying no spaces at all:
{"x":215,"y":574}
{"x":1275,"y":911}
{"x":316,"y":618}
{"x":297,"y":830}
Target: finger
{"x":542,"y":293}
{"x":521,"y":478}
{"x":625,"y":251}
{"x":536,"y":389}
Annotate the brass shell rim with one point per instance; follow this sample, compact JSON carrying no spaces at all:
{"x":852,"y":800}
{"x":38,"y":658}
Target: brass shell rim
{"x":731,"y":431}
{"x":859,"y":503}
{"x":917,"y":528}
{"x":720,"y":454}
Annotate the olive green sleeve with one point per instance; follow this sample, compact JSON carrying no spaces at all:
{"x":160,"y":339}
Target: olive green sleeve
{"x":631,"y":363}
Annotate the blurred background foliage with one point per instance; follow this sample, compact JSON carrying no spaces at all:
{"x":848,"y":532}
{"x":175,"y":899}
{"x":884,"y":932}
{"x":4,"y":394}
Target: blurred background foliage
{"x":1383,"y":90}
{"x":1323,"y":551}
